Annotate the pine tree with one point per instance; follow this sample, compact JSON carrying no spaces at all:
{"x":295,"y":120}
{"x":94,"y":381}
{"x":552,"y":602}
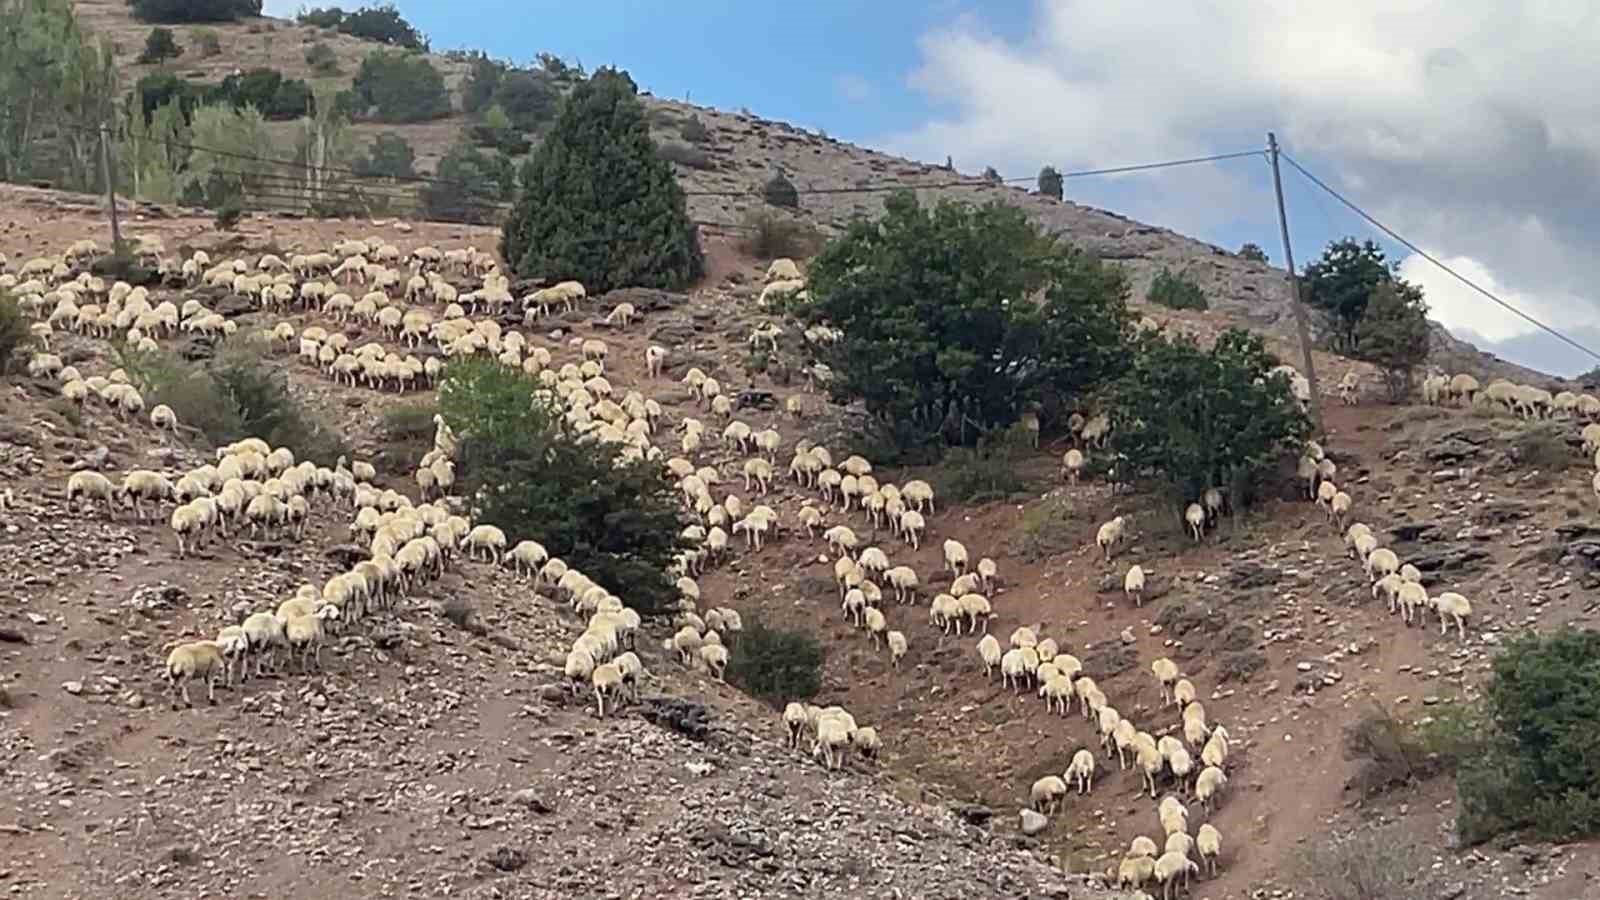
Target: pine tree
{"x":597,"y":203}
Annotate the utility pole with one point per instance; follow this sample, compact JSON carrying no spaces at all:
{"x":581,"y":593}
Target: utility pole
{"x":1294,"y":289}
{"x":111,"y":189}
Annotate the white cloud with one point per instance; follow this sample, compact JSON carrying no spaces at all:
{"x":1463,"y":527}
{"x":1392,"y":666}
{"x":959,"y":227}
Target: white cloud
{"x":1407,"y":107}
{"x":853,"y":88}
{"x":1457,"y":306}
{"x":283,"y":9}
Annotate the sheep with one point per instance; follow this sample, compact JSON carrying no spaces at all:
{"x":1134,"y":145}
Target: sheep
{"x":1339,"y":508}
{"x":1149,"y":761}
{"x":162,"y":416}
{"x":973,"y":608}
{"x":1134,"y":871}
{"x":1411,"y":597}
{"x":188,"y":520}
{"x":1207,"y":784}
{"x":989,"y":652}
{"x":782,"y":269}
{"x":196,"y":659}
{"x":489,"y":539}
{"x":1456,"y":607}
{"x":1046,"y":794}
{"x":526,"y":558}
{"x":607,"y":680}
{"x":1110,"y":534}
{"x":1133,"y":584}
{"x":876,"y":625}
{"x":1380,"y":562}
{"x":1166,"y":672}
{"x":1195,"y":515}
{"x":1081,"y":771}
{"x":897,"y":647}
{"x":904,"y":580}
{"x":94,"y":486}
{"x":912,"y":524}
{"x":1208,"y":841}
{"x":304,"y":634}
{"x":955,"y":556}
{"x":834,"y":736}
{"x":715,"y":656}
{"x":1171,"y":865}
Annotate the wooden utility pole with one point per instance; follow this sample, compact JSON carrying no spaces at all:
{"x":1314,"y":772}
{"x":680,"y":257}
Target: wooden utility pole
{"x":111,"y":189}
{"x":1294,"y":289}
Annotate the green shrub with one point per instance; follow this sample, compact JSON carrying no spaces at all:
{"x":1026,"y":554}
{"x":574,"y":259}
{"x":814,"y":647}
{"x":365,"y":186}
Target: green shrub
{"x":15,"y":337}
{"x":1049,"y":183}
{"x":407,"y":432}
{"x":275,"y":97}
{"x":981,"y":474}
{"x":467,"y":186}
{"x":992,"y":175}
{"x":1047,"y":529}
{"x":232,"y":396}
{"x":780,"y":191}
{"x":529,"y":99}
{"x":178,"y":11}
{"x":776,"y":665}
{"x":207,"y":43}
{"x":770,"y":235}
{"x":382,"y":24}
{"x":399,"y":86}
{"x":1176,"y":292}
{"x":598,"y":204}
{"x":390,"y":156}
{"x":618,"y":521}
{"x":686,"y":156}
{"x":1542,"y":446}
{"x":1390,"y":752}
{"x":694,"y":131}
{"x":1394,"y":334}
{"x":229,"y":213}
{"x":1252,"y":252}
{"x":322,"y":60}
{"x":159,"y":45}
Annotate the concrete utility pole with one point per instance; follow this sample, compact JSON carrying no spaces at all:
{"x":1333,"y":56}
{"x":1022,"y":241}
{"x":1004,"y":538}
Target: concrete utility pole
{"x":111,"y":189}
{"x":1294,"y":290}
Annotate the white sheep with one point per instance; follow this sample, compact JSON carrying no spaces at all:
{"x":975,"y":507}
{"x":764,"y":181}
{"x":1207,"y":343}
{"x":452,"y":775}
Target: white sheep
{"x":1456,"y":607}
{"x":1195,"y":515}
{"x":607,"y":681}
{"x":897,"y":647}
{"x":1208,"y":784}
{"x":1110,"y":534}
{"x":196,"y":659}
{"x":1081,"y":771}
{"x":94,"y":486}
{"x":989,"y":652}
{"x":1046,"y":794}
{"x":1166,"y":672}
{"x":955,"y":556}
{"x":489,"y":539}
{"x":1133,"y":584}
{"x":1169,"y":867}
{"x":1208,"y":841}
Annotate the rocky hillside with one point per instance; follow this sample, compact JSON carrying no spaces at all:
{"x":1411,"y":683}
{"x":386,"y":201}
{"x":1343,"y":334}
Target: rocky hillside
{"x":743,"y":151}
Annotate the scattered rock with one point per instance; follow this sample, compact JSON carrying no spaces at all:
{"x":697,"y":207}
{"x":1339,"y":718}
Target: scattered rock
{"x":1033,"y":823}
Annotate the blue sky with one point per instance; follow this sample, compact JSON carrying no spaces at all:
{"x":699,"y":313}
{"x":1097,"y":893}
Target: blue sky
{"x":1409,"y":111}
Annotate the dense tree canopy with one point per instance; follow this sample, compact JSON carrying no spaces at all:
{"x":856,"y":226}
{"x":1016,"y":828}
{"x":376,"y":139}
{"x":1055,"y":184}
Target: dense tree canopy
{"x":1341,"y":282}
{"x":1393,"y":333}
{"x":399,"y":86}
{"x":957,"y":317}
{"x":597,"y":202}
{"x":1190,"y":419}
{"x":180,"y":11}
{"x":617,"y":521}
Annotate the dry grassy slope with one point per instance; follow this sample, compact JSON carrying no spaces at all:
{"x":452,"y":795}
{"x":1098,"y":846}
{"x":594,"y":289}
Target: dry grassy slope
{"x":747,"y":149}
{"x":472,"y":724}
{"x":429,"y":759}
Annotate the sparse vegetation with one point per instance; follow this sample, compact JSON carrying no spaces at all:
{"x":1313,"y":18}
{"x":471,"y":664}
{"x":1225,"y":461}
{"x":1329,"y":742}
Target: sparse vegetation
{"x":399,"y":86}
{"x":207,"y":43}
{"x":1252,"y":252}
{"x":685,"y":155}
{"x":775,"y":664}
{"x":228,"y":214}
{"x":1542,"y":446}
{"x":1393,"y":334}
{"x":390,"y":156}
{"x":407,"y":431}
{"x":694,"y":131}
{"x":1047,"y":529}
{"x":468,"y":186}
{"x":160,"y":46}
{"x":15,"y":339}
{"x":1050,"y":183}
{"x":934,"y":342}
{"x":618,"y":521}
{"x":170,"y":12}
{"x":1390,"y":753}
{"x":598,"y":204}
{"x":780,"y":191}
{"x":992,"y":175}
{"x":276,"y":97}
{"x":232,"y":396}
{"x":770,"y":235}
{"x":1176,"y":292}
{"x":322,"y":60}
{"x":58,"y":85}
{"x":1381,"y":864}
{"x":1189,"y":419}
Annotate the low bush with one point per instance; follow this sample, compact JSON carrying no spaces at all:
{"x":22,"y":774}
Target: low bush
{"x":232,"y":396}
{"x":1381,"y":864}
{"x":981,"y":474}
{"x":770,"y":235}
{"x":1047,"y":529}
{"x":322,"y":60}
{"x":618,"y":521}
{"x":159,"y":46}
{"x":1176,"y":292}
{"x":685,"y":155}
{"x":207,"y":43}
{"x":1389,"y":752}
{"x":407,"y":432}
{"x":776,"y":665}
{"x":694,"y":131}
{"x":1542,"y":446}
{"x":15,"y":338}
{"x":780,"y":191}
{"x":229,"y":213}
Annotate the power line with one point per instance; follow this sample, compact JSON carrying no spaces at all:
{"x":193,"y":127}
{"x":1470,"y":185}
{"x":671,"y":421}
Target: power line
{"x":1431,"y":258}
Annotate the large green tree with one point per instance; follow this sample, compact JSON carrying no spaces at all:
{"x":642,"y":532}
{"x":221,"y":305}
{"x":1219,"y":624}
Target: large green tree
{"x":152,"y":152}
{"x":1187,"y":418}
{"x":1341,"y":282}
{"x":1393,"y":334}
{"x":597,"y":203}
{"x":400,"y":86}
{"x":956,"y":318}
{"x":234,"y":164}
{"x":618,"y":520}
{"x":174,"y":11}
{"x":57,"y":87}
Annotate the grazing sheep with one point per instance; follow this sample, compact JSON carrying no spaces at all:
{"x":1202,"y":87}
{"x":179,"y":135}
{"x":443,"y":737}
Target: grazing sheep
{"x":1166,"y":672}
{"x":607,"y":681}
{"x":1380,"y":562}
{"x":1110,"y":534}
{"x":1072,"y":465}
{"x":897,"y":647}
{"x":1133,"y":584}
{"x":1195,"y":515}
{"x":1208,"y":841}
{"x":715,"y":656}
{"x":1208,"y":784}
{"x":1081,"y":771}
{"x":1169,"y":867}
{"x":1135,"y":870}
{"x":1456,"y":607}
{"x":489,"y":539}
{"x":1046,"y":794}
{"x":196,"y":659}
{"x":94,"y":486}
{"x":955,"y":556}
{"x":989,"y":652}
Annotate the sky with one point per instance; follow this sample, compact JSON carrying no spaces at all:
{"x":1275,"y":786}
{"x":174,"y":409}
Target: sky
{"x":1468,"y":126}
